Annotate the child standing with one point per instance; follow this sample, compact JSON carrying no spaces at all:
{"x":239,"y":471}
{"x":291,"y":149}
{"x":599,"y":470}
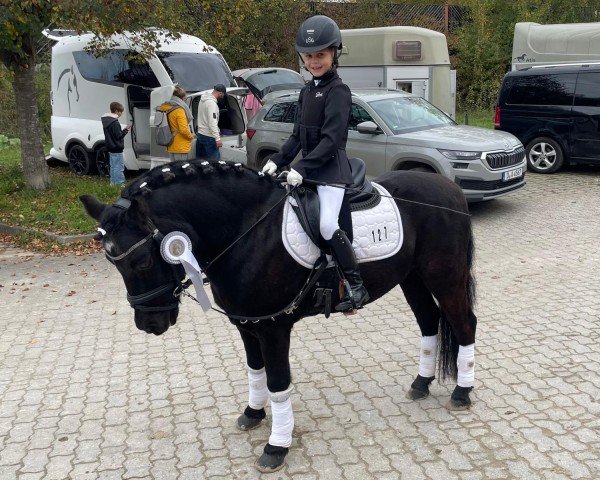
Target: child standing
{"x":113,"y":137}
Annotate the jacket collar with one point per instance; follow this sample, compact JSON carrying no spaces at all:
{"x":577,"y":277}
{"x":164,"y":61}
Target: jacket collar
{"x":326,"y":78}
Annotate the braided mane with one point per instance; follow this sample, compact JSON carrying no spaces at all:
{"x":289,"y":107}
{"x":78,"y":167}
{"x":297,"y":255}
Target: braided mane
{"x":185,"y":171}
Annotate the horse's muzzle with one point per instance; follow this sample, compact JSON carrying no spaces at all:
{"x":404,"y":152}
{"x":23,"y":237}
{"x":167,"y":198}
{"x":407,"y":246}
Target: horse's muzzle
{"x":155,"y":323}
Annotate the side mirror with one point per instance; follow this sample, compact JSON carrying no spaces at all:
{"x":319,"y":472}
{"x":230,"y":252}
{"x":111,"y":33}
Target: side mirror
{"x":369,"y":127}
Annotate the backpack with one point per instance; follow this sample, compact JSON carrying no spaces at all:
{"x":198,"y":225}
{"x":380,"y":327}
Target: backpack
{"x":164,"y":135}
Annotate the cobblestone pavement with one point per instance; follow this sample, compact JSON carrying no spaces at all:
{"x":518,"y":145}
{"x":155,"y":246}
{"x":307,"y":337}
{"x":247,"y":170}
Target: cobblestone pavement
{"x":84,"y":395}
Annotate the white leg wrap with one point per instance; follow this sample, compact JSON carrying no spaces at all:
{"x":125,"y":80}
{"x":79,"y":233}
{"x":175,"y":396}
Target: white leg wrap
{"x":258,"y":393}
{"x":466,"y":365}
{"x":283,"y":418}
{"x":427,"y":359}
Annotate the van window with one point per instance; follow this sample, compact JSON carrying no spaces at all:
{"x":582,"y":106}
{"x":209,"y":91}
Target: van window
{"x":196,"y":71}
{"x":587,"y":93}
{"x":115,"y":68}
{"x":543,"y":90}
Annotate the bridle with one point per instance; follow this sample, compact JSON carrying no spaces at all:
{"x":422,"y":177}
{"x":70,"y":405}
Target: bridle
{"x":176,"y":287}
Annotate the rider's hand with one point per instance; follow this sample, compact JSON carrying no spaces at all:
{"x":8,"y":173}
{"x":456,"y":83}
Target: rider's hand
{"x":294,"y":178}
{"x":270,"y":168}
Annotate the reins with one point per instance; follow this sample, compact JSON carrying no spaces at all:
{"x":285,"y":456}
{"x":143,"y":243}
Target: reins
{"x":208,"y":265}
{"x":314,"y":275}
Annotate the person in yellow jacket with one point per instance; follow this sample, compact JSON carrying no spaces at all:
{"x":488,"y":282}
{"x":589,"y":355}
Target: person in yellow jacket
{"x":179,"y":122}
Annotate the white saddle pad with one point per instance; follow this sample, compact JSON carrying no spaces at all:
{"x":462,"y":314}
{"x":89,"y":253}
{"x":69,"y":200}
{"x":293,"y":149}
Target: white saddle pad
{"x":377,"y":232}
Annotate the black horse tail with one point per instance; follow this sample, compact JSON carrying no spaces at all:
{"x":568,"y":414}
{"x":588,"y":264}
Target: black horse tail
{"x":448,"y":350}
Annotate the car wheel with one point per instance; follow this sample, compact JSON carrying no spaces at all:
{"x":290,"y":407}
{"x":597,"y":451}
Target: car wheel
{"x":544,"y":155}
{"x":103,"y":162}
{"x":422,"y":169}
{"x":80,"y":161}
{"x":263,"y":161}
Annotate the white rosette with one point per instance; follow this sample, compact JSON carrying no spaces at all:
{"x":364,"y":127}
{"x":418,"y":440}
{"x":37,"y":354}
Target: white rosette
{"x":176,"y":248}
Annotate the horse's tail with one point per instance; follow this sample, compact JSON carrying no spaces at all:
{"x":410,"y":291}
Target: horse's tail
{"x":448,"y":343}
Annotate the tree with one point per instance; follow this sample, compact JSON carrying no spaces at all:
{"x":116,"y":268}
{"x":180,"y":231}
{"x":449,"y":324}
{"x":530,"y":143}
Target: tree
{"x":21,"y":24}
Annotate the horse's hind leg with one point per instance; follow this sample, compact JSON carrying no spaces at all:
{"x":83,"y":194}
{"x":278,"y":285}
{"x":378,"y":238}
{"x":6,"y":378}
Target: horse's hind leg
{"x":457,"y":334}
{"x":427,"y":314}
{"x":258,"y":394}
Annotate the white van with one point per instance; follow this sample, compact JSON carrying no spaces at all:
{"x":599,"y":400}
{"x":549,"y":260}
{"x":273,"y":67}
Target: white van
{"x":83,"y":86}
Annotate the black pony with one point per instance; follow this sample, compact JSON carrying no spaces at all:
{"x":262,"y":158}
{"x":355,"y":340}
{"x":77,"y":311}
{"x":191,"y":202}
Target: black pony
{"x":215,"y":204}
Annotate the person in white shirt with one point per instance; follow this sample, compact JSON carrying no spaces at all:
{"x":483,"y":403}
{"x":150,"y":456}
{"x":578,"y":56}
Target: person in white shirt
{"x":208,"y":136}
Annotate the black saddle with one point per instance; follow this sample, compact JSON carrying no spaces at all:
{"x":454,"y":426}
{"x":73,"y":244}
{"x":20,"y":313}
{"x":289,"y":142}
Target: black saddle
{"x":361,"y":195}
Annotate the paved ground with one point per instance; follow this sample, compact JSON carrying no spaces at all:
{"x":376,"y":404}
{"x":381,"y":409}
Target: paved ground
{"x":84,"y":395}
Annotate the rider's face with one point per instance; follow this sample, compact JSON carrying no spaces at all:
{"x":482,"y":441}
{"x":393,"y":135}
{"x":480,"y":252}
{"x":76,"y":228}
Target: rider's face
{"x":318,"y":63}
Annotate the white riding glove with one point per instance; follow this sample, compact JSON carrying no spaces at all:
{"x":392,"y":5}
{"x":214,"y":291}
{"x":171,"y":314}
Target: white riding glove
{"x":294,"y":178}
{"x":270,"y":168}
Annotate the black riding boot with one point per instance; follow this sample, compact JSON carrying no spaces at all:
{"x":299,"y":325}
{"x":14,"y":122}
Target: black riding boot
{"x":344,"y":254}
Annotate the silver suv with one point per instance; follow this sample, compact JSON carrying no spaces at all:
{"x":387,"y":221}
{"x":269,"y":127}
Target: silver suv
{"x":392,"y":130}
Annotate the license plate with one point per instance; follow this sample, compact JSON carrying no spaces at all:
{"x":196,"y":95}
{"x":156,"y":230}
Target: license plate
{"x":516,"y":173}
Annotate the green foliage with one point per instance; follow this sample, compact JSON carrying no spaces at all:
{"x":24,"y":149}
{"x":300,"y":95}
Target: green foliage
{"x":6,"y":143}
{"x":57,"y":209}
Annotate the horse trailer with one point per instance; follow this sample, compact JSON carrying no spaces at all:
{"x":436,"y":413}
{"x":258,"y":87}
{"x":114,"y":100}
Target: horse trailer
{"x":411,"y":59}
{"x":84,"y":85}
{"x":558,"y":44}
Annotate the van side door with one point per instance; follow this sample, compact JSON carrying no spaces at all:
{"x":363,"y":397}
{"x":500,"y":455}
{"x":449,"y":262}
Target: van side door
{"x":585,"y":133}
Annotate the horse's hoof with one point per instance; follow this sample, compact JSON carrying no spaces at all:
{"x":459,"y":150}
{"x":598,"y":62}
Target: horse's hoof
{"x":460,"y":399}
{"x":250,"y":418}
{"x":413,"y":394}
{"x":419,"y":388}
{"x":272,"y":459}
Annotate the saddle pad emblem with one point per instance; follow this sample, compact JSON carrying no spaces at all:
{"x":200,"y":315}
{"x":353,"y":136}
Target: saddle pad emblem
{"x":377,"y":233}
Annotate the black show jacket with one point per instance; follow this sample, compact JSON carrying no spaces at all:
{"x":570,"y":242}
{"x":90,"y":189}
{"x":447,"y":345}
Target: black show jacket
{"x":321,"y":131}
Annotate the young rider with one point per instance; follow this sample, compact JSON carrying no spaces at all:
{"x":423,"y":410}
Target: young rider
{"x":321,"y":132}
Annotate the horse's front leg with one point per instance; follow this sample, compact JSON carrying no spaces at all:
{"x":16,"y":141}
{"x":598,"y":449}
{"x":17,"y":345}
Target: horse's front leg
{"x":275,"y":347}
{"x":258,"y":393}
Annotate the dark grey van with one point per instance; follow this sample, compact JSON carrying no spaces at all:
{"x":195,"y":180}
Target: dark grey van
{"x":555,"y":112}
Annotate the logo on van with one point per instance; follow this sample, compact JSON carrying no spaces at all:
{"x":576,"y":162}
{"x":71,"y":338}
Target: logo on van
{"x":71,"y":79}
{"x":523,"y":59}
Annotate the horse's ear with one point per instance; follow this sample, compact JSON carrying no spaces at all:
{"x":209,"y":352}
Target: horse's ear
{"x":93,"y":206}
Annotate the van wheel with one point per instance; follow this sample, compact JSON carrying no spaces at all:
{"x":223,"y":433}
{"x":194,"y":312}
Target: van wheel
{"x":80,"y":161}
{"x":103,"y":162}
{"x":544,"y":155}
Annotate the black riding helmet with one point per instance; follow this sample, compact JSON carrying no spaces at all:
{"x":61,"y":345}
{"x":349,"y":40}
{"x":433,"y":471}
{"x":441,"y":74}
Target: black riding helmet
{"x":317,"y":33}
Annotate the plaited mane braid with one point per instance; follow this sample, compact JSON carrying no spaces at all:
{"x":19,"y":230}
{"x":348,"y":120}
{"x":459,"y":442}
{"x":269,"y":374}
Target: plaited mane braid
{"x":183,"y":171}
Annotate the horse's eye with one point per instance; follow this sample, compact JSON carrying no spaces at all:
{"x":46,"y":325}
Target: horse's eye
{"x":143,"y":263}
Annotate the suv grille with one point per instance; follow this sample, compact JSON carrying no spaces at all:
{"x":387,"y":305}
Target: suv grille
{"x":505,"y":159}
{"x":486,"y":186}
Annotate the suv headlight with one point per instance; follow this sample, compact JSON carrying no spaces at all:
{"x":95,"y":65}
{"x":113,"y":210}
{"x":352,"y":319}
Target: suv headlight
{"x":460,"y":155}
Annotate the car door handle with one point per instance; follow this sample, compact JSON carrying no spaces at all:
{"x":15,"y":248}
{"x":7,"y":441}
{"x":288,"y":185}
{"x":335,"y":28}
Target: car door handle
{"x":283,"y":138}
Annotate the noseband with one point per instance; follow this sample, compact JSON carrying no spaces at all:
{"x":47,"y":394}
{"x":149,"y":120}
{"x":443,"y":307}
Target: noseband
{"x":137,"y":301}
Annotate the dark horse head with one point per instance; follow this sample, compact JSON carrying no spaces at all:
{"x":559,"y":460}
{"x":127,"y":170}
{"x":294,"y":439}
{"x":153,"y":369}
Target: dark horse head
{"x":132,"y":243}
{"x":213,"y":204}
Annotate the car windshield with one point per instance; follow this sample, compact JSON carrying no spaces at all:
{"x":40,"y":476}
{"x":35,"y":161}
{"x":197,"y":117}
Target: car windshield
{"x":270,"y":80}
{"x":196,"y":71}
{"x":408,"y":114}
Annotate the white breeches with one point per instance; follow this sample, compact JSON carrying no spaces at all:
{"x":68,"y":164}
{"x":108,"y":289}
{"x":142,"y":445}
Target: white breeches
{"x":330,"y":203}
{"x":466,"y":366}
{"x":427,"y":357}
{"x":258,"y":393}
{"x":283,"y":418}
